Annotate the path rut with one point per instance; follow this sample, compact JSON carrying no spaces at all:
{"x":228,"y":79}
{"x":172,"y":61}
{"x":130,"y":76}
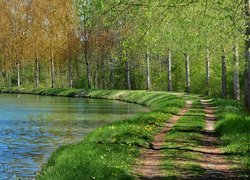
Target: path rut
{"x":214,"y":162}
{"x":149,"y":166}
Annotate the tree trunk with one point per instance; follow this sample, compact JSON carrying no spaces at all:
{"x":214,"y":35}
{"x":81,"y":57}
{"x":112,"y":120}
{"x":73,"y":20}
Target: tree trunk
{"x":111,"y":76}
{"x":18,"y":73}
{"x":148,"y":70}
{"x":96,"y":84}
{"x":36,"y":71}
{"x":223,"y":73}
{"x":52,"y":72}
{"x":70,"y":73}
{"x":87,"y":62}
{"x":187,"y":62}
{"x":77,"y":72}
{"x":236,"y":73}
{"x":128,"y":71}
{"x":247,"y":56}
{"x":169,"y":68}
{"x":103,"y":72}
{"x":208,"y":73}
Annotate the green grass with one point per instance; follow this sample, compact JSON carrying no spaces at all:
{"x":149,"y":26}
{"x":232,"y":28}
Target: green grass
{"x":182,"y":141}
{"x":233,"y":128}
{"x":111,"y":151}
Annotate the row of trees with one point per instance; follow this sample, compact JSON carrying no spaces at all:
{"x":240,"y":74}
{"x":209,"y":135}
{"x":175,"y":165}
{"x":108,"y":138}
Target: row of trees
{"x":35,"y":32}
{"x":191,"y":45}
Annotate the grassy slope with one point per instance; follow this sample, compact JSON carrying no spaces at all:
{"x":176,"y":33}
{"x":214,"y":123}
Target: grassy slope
{"x":234,"y":129}
{"x":110,"y":151}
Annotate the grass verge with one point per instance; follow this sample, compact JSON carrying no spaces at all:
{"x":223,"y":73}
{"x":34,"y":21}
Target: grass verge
{"x":233,"y":128}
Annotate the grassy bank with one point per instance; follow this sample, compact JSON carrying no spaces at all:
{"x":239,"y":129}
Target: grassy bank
{"x":110,"y":151}
{"x":234,"y":129}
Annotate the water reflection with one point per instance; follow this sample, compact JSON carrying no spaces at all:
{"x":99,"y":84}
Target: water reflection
{"x":32,"y":127}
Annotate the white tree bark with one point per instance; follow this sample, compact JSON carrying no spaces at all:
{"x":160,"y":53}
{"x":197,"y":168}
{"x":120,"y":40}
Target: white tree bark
{"x":236,"y":73}
{"x":148,"y":69}
{"x":128,"y":74}
{"x":187,"y":65}
{"x":208,"y":72}
{"x":169,"y":71}
{"x":18,"y":73}
{"x":52,"y":72}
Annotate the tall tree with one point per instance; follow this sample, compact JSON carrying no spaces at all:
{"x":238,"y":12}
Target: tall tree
{"x":208,"y":73}
{"x":223,"y":73}
{"x":169,"y":71}
{"x":187,"y":67}
{"x":247,"y":55}
{"x":236,"y":72}
{"x":148,"y":68}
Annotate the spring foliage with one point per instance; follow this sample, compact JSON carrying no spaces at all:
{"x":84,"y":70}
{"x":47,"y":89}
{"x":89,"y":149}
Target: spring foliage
{"x":103,"y":44}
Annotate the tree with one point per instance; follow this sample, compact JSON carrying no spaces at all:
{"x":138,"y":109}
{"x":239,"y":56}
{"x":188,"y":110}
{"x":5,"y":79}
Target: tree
{"x":169,"y":71}
{"x":223,"y":73}
{"x":236,"y":72}
{"x":247,"y":55}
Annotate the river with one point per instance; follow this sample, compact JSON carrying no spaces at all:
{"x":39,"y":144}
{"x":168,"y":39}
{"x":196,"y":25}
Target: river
{"x":32,"y":127}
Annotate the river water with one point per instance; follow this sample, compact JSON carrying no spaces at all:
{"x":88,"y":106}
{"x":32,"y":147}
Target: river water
{"x":32,"y":127}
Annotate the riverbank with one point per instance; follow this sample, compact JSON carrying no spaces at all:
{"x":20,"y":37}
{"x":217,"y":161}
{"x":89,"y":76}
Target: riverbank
{"x":112,"y":151}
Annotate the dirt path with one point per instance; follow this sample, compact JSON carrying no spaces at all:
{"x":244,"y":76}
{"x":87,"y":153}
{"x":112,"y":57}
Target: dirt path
{"x":213,"y":161}
{"x":149,"y":163}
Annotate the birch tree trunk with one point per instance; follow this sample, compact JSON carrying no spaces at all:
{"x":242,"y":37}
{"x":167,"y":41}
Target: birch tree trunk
{"x":52,"y":71}
{"x":208,"y":72}
{"x":70,"y":73}
{"x":128,"y":72}
{"x":18,"y":72}
{"x":77,"y":72}
{"x":148,"y":70}
{"x":37,"y":71}
{"x":223,"y":73}
{"x":236,"y":73}
{"x":247,"y":56}
{"x":169,"y":71}
{"x":187,"y":62}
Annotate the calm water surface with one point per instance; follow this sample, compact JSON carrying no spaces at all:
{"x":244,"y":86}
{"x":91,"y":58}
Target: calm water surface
{"x":32,"y":127}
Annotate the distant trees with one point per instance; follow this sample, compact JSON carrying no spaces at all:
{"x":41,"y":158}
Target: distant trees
{"x":192,"y":46}
{"x":35,"y":31}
